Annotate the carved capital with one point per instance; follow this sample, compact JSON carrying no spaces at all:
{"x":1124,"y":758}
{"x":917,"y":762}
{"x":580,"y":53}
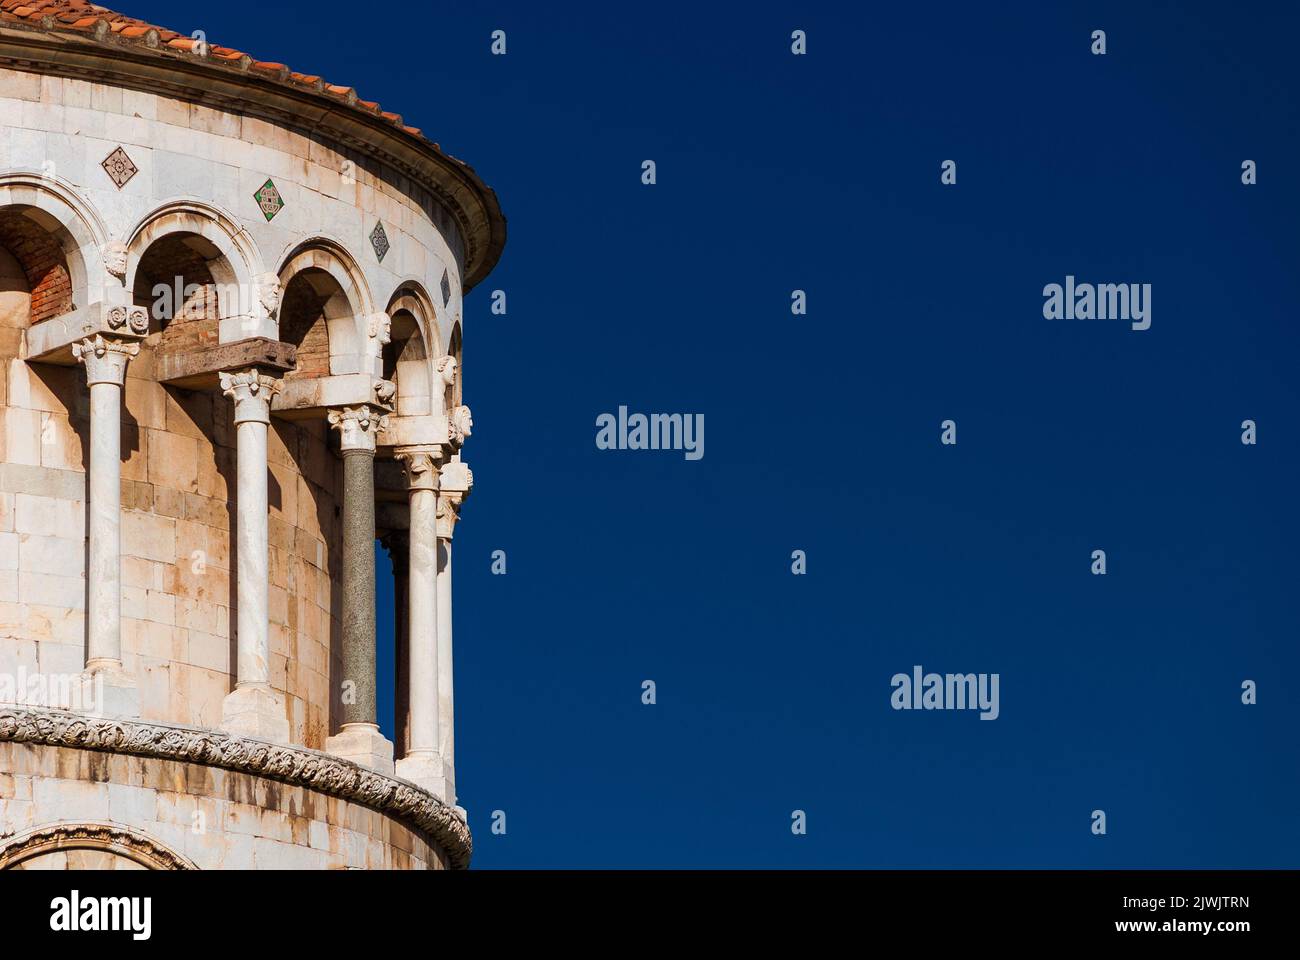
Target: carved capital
{"x":357,"y":426}
{"x":419,"y":467}
{"x":449,"y":504}
{"x":252,"y":392}
{"x":105,"y":358}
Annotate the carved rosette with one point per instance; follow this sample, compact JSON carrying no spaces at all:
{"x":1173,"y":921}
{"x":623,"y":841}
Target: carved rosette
{"x":419,"y":467}
{"x":298,"y":766}
{"x":105,"y":358}
{"x":252,"y":392}
{"x":357,"y":427}
{"x":133,"y":317}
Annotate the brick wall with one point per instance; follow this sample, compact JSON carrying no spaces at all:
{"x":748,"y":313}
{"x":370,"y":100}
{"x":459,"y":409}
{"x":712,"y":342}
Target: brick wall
{"x":42,"y":261}
{"x":303,"y":323}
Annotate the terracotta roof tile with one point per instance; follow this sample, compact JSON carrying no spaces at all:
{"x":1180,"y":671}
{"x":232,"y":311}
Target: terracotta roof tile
{"x":83,"y":16}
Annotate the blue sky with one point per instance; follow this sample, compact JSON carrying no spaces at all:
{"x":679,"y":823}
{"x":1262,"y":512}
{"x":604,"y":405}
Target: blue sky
{"x":775,"y":172}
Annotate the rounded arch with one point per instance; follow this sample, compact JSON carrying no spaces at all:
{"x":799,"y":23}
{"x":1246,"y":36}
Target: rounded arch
{"x":325,"y":305}
{"x":106,"y":842}
{"x":455,"y":390}
{"x":71,"y":222}
{"x":211,"y":250}
{"x":410,"y":352}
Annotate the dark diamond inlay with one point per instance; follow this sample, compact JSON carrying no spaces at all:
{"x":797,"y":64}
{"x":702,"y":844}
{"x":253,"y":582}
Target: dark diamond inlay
{"x":446,"y":289}
{"x":379,"y":240}
{"x":119,"y":167}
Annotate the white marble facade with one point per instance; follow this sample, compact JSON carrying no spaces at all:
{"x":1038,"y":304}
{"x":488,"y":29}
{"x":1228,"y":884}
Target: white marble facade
{"x":193,"y":477}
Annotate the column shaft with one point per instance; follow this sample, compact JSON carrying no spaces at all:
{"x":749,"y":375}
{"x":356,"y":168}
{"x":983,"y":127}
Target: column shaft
{"x":424,"y":638}
{"x":359,"y":585}
{"x":446,"y":708}
{"x":252,"y":551}
{"x":104,"y":641}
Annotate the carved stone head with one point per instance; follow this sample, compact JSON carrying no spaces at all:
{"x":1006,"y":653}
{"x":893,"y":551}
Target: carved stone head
{"x":463,"y":421}
{"x":447,"y":370}
{"x":268,"y":293}
{"x":115,"y":259}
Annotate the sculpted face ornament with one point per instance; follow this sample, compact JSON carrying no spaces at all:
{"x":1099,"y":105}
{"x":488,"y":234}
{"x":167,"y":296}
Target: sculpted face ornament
{"x":268,"y":293}
{"x":381,"y":328}
{"x":463,"y":420}
{"x":385,"y":390}
{"x":447,"y":370}
{"x":115,"y":259}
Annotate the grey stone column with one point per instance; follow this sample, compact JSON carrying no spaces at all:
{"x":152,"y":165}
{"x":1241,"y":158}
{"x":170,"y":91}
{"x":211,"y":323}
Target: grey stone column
{"x":359,"y":738}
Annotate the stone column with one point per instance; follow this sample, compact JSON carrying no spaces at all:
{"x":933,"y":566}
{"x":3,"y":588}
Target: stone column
{"x":359,"y":739}
{"x":398,"y":543}
{"x":424,"y":762}
{"x":252,"y":709}
{"x":455,"y":483}
{"x":108,"y":689}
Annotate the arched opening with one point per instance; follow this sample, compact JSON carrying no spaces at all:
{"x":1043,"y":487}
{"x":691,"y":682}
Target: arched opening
{"x":176,"y":283}
{"x":406,"y":362}
{"x":454,"y":391}
{"x":312,"y":299}
{"x":35,"y":282}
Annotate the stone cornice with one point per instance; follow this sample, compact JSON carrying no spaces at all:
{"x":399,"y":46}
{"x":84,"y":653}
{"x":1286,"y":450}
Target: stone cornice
{"x":102,"y":57}
{"x":297,"y":766}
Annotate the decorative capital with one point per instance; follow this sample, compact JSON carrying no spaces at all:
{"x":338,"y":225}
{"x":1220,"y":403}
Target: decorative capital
{"x":449,"y":504}
{"x":114,"y":254}
{"x":357,"y":427}
{"x":252,"y":392}
{"x":419,"y":467}
{"x":105,"y":358}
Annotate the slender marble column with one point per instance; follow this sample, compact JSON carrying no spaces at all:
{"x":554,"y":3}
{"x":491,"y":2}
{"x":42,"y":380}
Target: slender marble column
{"x":252,"y":709}
{"x":359,"y":738}
{"x":423,"y":763}
{"x":456,"y":480}
{"x":399,"y":552}
{"x":113,"y":691}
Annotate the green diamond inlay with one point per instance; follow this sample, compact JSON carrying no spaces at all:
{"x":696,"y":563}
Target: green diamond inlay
{"x":269,"y":200}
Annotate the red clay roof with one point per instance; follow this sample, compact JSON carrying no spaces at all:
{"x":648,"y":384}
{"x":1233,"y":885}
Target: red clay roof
{"x":82,"y":17}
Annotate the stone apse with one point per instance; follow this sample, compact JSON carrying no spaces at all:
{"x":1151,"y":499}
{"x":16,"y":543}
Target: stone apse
{"x":230,"y":323}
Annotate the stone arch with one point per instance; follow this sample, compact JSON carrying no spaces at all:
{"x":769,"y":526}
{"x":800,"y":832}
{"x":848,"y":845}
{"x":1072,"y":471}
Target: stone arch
{"x":218,"y":261}
{"x":325,"y":309}
{"x":99,"y":846}
{"x":453,"y":393}
{"x":34,"y":206}
{"x":407,"y":357}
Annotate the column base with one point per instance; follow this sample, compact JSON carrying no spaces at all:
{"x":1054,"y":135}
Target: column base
{"x":363,"y":744}
{"x":255,"y":712}
{"x":106,"y":690}
{"x":427,"y":770}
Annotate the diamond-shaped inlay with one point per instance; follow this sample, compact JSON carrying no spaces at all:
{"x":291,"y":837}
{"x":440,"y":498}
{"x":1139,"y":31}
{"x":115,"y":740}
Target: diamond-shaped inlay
{"x":269,"y":200}
{"x":119,"y":167}
{"x":379,"y":240}
{"x":446,"y":289}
